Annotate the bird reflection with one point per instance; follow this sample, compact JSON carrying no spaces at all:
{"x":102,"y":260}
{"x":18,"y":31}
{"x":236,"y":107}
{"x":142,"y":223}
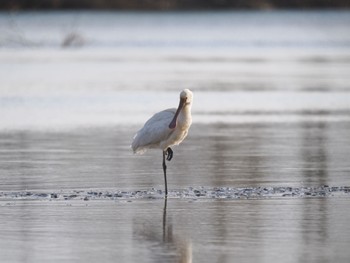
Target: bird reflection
{"x":171,"y":247}
{"x":183,"y":246}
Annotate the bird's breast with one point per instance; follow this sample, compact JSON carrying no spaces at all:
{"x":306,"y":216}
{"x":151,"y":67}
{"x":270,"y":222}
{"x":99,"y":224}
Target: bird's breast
{"x":184,"y":119}
{"x":180,"y":132}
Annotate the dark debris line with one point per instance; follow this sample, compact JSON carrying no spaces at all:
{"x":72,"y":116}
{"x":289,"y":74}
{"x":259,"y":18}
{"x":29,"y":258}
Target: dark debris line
{"x":189,"y":193}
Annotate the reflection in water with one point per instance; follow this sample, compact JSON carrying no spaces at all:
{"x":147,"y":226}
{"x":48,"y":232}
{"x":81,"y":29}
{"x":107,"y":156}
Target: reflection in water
{"x":170,"y":246}
{"x":155,"y":230}
{"x":236,"y":152}
{"x":317,"y":233}
{"x":314,"y":152}
{"x":314,"y":158}
{"x":219,"y":155}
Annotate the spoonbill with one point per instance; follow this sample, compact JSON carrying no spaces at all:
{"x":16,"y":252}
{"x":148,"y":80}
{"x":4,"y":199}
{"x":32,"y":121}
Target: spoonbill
{"x":165,"y":129}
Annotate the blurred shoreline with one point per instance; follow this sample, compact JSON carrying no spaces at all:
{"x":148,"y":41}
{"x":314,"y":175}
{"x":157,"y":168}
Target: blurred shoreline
{"x":161,"y":5}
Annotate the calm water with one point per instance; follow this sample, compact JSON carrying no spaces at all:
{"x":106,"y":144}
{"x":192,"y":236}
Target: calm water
{"x":271,"y":113}
{"x":290,"y":230}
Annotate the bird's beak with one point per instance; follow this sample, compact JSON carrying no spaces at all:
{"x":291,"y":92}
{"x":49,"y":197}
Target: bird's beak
{"x":172,"y":124}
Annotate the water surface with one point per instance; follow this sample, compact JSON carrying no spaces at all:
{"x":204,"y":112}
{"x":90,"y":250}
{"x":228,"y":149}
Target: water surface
{"x":290,"y":230}
{"x":263,"y":175}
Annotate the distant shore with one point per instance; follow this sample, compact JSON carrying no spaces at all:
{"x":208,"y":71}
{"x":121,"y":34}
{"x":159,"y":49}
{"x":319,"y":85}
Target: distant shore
{"x":159,"y":5}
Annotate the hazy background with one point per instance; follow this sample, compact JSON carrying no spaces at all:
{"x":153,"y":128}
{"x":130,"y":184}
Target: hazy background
{"x":172,"y":4}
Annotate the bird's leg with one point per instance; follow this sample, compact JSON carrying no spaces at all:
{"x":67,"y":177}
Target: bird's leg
{"x":164,"y":169}
{"x":164,"y":219}
{"x":169,"y":153}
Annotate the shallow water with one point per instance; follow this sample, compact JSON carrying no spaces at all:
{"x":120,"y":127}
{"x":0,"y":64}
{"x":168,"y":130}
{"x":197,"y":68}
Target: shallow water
{"x":214,"y":155}
{"x":286,"y":230}
{"x":263,"y":175}
{"x":236,"y":193}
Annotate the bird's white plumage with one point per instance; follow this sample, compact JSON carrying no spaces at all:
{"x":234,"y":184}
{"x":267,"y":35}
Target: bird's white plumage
{"x":156,"y":132}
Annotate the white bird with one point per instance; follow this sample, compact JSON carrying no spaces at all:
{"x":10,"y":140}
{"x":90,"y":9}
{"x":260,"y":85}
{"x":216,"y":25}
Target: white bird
{"x":165,"y":129}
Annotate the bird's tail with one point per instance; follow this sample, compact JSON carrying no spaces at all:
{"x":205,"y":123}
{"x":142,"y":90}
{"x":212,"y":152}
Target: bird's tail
{"x":137,"y":149}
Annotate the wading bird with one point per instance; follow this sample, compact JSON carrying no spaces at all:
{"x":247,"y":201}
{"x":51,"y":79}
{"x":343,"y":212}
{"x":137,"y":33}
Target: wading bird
{"x":165,"y":129}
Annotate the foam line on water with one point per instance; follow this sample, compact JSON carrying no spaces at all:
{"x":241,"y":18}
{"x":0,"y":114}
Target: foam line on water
{"x":188,"y":193}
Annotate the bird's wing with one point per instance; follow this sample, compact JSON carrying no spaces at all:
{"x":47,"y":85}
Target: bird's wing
{"x":155,"y":130}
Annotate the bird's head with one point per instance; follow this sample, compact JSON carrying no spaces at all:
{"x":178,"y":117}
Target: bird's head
{"x":186,"y":97}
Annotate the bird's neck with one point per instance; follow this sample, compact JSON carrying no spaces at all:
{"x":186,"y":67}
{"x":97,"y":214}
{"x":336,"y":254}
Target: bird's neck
{"x":185,"y":118}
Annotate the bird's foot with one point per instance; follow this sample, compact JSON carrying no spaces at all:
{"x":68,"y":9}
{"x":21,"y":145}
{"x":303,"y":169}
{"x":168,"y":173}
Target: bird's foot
{"x":169,"y":154}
